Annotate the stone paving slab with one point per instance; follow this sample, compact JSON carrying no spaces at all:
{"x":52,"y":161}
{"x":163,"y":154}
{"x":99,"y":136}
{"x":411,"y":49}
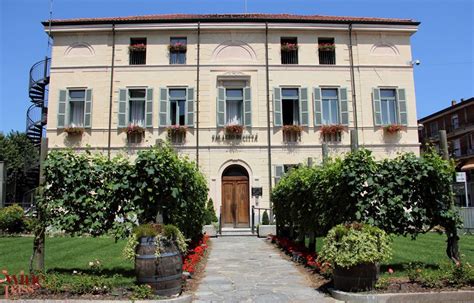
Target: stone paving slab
{"x":246,"y":269}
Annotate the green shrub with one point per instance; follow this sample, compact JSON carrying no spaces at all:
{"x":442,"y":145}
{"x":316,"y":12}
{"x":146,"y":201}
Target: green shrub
{"x":459,"y":275}
{"x":12,"y":219}
{"x":210,"y":216}
{"x":265,"y":219}
{"x":414,"y":271}
{"x":353,"y":244}
{"x":142,"y":292}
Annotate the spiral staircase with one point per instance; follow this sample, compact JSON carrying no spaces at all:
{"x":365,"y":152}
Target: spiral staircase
{"x":36,"y":119}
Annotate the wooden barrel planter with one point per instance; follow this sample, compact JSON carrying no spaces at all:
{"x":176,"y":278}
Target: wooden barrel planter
{"x":163,"y":273}
{"x":356,"y":278}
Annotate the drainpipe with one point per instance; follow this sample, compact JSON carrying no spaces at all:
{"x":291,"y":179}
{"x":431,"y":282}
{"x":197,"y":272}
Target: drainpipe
{"x":354,"y":103}
{"x":197,"y":91}
{"x":111,"y":91}
{"x":269,"y":139}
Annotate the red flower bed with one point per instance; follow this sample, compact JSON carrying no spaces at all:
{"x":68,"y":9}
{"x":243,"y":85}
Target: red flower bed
{"x":195,"y":255}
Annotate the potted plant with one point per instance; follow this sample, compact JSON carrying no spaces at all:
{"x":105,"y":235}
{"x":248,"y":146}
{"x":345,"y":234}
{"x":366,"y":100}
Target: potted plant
{"x":234,"y":129}
{"x":292,"y":132}
{"x":393,"y":128}
{"x":177,"y":47}
{"x":139,"y":47}
{"x":74,"y":130}
{"x":325,"y":47}
{"x":135,"y":129}
{"x":289,"y":47}
{"x":354,"y":251}
{"x":177,"y":133}
{"x":332,"y":129}
{"x":157,"y":251}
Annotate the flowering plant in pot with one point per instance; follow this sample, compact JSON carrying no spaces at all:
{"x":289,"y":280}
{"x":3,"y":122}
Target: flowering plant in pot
{"x":177,"y":47}
{"x":74,"y":130}
{"x":135,"y":129}
{"x":355,"y":250}
{"x":289,"y":47}
{"x":177,"y":130}
{"x":139,"y":47}
{"x":393,"y":128}
{"x":234,"y":129}
{"x":292,"y":132}
{"x":326,"y":46}
{"x":332,"y":129}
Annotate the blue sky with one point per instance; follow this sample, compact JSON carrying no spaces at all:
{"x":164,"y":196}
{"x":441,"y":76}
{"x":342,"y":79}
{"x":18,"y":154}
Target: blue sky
{"x":444,"y":43}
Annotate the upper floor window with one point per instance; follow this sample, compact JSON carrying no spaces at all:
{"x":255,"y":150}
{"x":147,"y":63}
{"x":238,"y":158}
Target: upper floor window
{"x":326,"y":51}
{"x":137,"y":51}
{"x":177,"y":106}
{"x":289,"y":51}
{"x":388,"y":102}
{"x":457,"y":147}
{"x":434,"y":128}
{"x":455,"y":121}
{"x":136,"y":99}
{"x":234,"y":105}
{"x":177,"y":48}
{"x":330,"y":104}
{"x":76,"y":107}
{"x":290,"y":106}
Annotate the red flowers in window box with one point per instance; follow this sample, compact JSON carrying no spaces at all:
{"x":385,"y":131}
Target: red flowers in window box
{"x":177,"y":47}
{"x":332,"y":129}
{"x":177,"y":130}
{"x":135,"y":129}
{"x":326,"y":46}
{"x":289,"y":47}
{"x":195,"y":255}
{"x":292,"y":129}
{"x":74,"y":130}
{"x":393,"y":128}
{"x":234,"y":129}
{"x":139,"y":47}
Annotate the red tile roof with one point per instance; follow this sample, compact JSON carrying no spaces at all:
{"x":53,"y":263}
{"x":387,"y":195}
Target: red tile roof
{"x":286,"y":18}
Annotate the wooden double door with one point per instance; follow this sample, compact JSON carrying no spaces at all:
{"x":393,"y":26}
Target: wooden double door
{"x":235,"y":201}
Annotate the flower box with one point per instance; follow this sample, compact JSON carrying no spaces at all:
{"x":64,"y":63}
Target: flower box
{"x":74,"y":131}
{"x":332,"y":129}
{"x":393,"y":128}
{"x":177,"y":133}
{"x":289,"y":47}
{"x":177,"y":47}
{"x":234,"y":129}
{"x":134,"y":129}
{"x":325,"y":47}
{"x":292,"y":133}
{"x":137,"y":47}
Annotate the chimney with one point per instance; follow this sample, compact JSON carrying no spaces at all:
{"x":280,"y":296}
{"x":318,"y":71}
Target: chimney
{"x":453,"y":102}
{"x":462,"y":99}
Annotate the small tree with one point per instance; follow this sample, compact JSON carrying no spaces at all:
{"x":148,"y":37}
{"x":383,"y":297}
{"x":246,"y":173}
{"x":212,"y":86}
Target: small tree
{"x":210,"y":213}
{"x":265,"y":219}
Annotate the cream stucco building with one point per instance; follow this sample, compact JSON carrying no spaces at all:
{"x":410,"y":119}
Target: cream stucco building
{"x":210,"y":71}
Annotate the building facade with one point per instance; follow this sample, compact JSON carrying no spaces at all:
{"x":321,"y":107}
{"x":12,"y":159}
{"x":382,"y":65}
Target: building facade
{"x":257,"y":93}
{"x":458,"y":122}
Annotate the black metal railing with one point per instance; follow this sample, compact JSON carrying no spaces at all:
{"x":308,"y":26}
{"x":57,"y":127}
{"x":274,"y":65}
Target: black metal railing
{"x":39,"y":72}
{"x":289,"y":57}
{"x":177,"y":57}
{"x":220,"y":221}
{"x":257,"y":216}
{"x":327,"y":57}
{"x":137,"y":57}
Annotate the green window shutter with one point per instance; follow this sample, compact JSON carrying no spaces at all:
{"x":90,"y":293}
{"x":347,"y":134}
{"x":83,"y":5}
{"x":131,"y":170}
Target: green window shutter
{"x":343,"y":106}
{"x":163,"y":107}
{"x":247,"y":107}
{"x":62,"y":108}
{"x":279,"y":171}
{"x":123,"y":109}
{"x":318,"y":117}
{"x":149,"y":108}
{"x":402,"y":106}
{"x":190,"y":107}
{"x":277,"y":119}
{"x":304,"y":113}
{"x":220,"y":114}
{"x":88,"y":109}
{"x":377,"y":106}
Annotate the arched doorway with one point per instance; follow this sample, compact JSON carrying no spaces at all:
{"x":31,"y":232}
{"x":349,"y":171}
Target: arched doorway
{"x":235,"y":197}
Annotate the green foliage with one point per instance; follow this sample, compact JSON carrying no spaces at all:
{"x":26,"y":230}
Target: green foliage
{"x":172,"y":233}
{"x":210,"y":215}
{"x":265,"y":219}
{"x":451,"y":275}
{"x":147,"y":230}
{"x":349,"y":245}
{"x":12,"y":219}
{"x":77,"y":284}
{"x":142,"y":292}
{"x":405,"y":195}
{"x":19,"y":154}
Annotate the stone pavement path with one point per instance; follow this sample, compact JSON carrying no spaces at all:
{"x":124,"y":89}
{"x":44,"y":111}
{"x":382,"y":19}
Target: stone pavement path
{"x":246,"y":269}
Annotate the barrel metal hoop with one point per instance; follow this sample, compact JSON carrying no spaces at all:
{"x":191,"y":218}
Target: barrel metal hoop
{"x":150,"y":280}
{"x":162,"y":255}
{"x":166,"y":292}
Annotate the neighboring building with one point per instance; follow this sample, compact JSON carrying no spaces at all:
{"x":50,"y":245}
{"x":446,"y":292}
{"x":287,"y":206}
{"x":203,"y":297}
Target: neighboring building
{"x":261,"y":71}
{"x":458,"y":121}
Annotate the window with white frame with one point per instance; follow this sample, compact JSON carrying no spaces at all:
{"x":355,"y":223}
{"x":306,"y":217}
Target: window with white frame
{"x":177,"y":111}
{"x":290,"y":106}
{"x":388,"y":104}
{"x":234,"y":106}
{"x":76,"y":107}
{"x":136,"y":99}
{"x":454,"y":121}
{"x":330,"y":106}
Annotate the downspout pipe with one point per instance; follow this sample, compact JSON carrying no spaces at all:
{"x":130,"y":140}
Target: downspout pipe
{"x":197,"y":90}
{"x":269,"y":139}
{"x":111,"y":91}
{"x":354,"y":102}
